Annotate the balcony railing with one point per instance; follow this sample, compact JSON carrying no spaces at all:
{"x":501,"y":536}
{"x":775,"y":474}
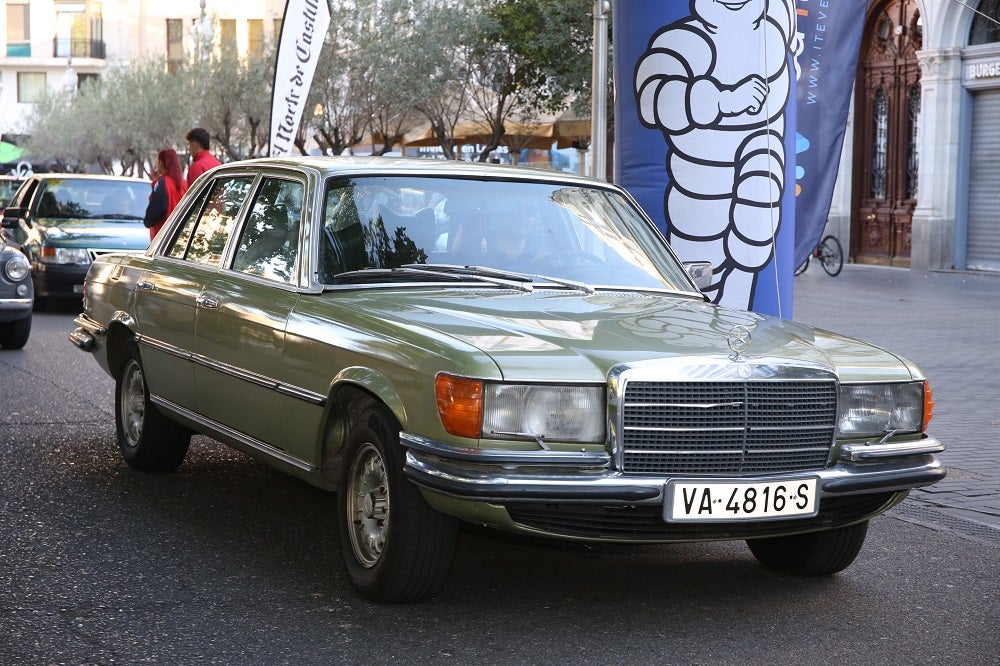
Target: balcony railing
{"x":64,"y":47}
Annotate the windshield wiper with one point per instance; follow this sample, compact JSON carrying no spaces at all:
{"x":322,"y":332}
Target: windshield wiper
{"x":375,"y":274}
{"x":486,"y":271}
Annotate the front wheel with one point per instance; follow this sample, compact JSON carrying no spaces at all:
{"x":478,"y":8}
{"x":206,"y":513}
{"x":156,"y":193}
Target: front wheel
{"x":832,"y":256}
{"x":813,"y":554}
{"x":148,"y":440}
{"x":396,"y":548}
{"x":14,"y":334}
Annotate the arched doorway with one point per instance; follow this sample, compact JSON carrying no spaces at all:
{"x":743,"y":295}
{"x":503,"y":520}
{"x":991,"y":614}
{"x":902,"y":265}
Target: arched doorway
{"x":887,"y":109}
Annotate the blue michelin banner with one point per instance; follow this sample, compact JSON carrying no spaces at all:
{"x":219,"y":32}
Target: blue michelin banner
{"x":831,"y":34}
{"x":705,"y":136}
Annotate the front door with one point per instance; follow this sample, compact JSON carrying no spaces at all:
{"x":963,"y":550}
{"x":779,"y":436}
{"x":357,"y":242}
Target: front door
{"x":887,"y":109}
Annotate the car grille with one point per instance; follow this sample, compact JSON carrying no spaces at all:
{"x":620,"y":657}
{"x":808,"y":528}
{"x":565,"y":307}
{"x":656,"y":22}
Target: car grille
{"x":645,"y":523}
{"x":760,"y":427}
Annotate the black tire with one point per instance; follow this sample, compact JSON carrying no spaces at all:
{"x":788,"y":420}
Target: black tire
{"x":148,"y":440}
{"x":396,"y":548}
{"x":832,"y":256}
{"x":14,"y":334}
{"x":814,"y":554}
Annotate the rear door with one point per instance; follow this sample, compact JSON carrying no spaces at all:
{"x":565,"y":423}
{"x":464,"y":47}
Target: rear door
{"x":167,"y":297}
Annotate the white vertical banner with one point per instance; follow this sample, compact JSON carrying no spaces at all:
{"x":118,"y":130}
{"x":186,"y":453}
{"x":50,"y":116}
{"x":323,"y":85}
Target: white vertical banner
{"x":303,"y":30}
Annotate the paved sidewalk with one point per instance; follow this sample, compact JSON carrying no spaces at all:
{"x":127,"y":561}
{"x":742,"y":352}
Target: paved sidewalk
{"x":944,"y":322}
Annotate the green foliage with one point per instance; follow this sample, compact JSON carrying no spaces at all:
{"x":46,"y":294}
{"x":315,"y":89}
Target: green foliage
{"x":387,"y":67}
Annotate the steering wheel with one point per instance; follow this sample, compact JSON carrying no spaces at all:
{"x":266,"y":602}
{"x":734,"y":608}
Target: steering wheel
{"x":576,"y":258}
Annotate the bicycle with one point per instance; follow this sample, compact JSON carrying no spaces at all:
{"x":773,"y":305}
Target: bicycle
{"x":830,"y":255}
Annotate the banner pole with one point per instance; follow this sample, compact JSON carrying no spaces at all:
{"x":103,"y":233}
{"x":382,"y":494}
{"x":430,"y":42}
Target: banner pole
{"x":599,"y":84}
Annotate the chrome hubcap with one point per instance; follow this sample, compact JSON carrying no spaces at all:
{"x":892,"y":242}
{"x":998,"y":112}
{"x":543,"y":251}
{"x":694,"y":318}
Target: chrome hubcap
{"x":133,"y":403}
{"x":368,"y":505}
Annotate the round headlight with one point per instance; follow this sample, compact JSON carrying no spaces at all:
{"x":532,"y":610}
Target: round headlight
{"x":17,"y":268}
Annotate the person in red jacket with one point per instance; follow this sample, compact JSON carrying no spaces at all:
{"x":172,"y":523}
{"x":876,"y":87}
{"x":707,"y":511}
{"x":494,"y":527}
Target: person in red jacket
{"x":167,"y":190}
{"x":202,"y":158}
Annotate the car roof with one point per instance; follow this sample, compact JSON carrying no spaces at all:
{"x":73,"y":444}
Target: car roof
{"x":84,"y":176}
{"x":331,"y":166}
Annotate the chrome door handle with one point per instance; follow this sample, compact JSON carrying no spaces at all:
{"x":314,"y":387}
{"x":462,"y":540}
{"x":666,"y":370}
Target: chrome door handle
{"x":144,"y":284}
{"x":205,"y":302}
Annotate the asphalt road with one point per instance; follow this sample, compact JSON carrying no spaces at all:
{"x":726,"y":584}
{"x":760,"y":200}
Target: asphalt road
{"x":228,"y":562}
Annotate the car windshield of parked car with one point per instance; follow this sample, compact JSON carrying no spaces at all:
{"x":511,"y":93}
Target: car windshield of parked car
{"x":568,"y":232}
{"x":84,"y":198}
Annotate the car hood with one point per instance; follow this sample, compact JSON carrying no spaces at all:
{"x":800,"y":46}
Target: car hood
{"x":94,"y":233}
{"x":560,"y":335}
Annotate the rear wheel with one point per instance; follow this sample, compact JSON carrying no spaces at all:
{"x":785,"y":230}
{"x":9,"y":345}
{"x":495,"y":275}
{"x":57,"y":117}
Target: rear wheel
{"x":148,"y":440}
{"x":814,"y":554}
{"x":396,"y":548}
{"x":14,"y":334}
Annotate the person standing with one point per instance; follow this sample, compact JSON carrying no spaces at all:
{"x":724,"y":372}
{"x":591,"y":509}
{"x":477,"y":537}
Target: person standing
{"x":168,"y":188}
{"x":202,"y":158}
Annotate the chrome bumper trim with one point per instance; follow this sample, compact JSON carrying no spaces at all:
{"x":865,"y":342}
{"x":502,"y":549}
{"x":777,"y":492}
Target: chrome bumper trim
{"x":878,"y":451}
{"x":591,"y":459}
{"x":82,"y":339}
{"x":472,"y":474}
{"x":88,"y":324}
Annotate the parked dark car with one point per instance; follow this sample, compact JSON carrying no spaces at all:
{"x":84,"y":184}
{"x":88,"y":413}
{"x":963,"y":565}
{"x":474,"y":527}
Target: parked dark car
{"x":511,"y":347}
{"x":62,"y":222}
{"x":8,"y":186}
{"x":16,"y":297}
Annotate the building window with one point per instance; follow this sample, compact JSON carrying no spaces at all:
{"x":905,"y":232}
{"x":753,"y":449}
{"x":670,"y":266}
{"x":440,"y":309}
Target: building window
{"x":79,"y":30}
{"x":985,"y":26}
{"x":175,"y":44}
{"x":87,"y":79}
{"x":18,"y":30}
{"x":913,"y":151}
{"x":227,"y":33}
{"x":30,"y":86}
{"x":880,"y":144}
{"x":255,"y":37}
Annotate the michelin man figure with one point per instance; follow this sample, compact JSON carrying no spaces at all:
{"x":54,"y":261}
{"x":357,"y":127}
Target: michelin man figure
{"x":717,"y":83}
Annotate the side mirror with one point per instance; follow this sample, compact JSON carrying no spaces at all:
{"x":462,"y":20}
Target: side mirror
{"x":13,"y":216}
{"x":700,"y":272}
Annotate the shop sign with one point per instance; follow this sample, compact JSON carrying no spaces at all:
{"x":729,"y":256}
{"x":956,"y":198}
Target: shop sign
{"x":982,"y":70}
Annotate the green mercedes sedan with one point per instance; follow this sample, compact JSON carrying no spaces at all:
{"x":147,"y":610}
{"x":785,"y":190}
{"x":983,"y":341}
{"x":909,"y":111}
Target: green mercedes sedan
{"x":439,"y":341}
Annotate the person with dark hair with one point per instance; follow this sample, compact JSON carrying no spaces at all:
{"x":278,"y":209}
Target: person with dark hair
{"x":202,"y":158}
{"x":167,"y":190}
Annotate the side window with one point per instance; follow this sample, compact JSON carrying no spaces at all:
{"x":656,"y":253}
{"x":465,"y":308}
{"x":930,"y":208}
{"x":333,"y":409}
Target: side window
{"x":269,"y":245}
{"x":208,"y":226}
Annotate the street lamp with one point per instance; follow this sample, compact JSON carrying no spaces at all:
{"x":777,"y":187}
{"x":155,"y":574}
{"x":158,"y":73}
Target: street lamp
{"x":599,"y":92}
{"x":70,"y":78}
{"x":202,"y":32}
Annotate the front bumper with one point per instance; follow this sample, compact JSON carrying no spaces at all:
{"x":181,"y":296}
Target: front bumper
{"x":502,"y":476}
{"x":13,"y":309}
{"x":578,"y":496}
{"x":59,"y":280}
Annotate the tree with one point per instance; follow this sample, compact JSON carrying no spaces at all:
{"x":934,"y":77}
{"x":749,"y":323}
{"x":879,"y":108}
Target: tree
{"x":450,"y":34}
{"x":72,"y":130}
{"x":231,"y":106}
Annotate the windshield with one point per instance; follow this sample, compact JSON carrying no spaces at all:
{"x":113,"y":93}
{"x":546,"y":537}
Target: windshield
{"x":572,"y":233}
{"x":92,"y":198}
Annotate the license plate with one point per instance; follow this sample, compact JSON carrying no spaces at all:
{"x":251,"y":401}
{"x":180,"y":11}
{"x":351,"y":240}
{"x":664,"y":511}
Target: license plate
{"x":716,"y":500}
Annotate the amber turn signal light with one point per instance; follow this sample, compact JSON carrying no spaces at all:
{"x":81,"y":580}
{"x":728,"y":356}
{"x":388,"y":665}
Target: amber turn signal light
{"x":460,"y":404}
{"x":928,"y":404}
